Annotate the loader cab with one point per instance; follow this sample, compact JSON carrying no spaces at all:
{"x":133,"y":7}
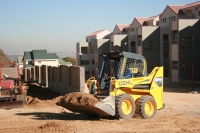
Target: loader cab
{"x":120,"y":65}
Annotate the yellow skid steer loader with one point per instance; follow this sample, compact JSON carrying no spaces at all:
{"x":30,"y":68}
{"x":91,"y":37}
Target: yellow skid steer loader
{"x":124,"y":88}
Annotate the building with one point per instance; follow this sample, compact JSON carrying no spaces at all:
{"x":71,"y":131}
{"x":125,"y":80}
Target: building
{"x":144,"y":39}
{"x":88,"y":52}
{"x":20,"y":61}
{"x":170,"y":39}
{"x":119,"y":38}
{"x":38,"y":58}
{"x":179,"y":41}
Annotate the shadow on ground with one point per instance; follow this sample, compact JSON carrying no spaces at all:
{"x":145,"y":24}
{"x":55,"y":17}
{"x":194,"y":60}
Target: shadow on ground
{"x":178,"y":88}
{"x":61,"y":116}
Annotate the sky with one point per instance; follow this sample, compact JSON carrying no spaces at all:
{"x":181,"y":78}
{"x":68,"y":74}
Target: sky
{"x":57,"y":25}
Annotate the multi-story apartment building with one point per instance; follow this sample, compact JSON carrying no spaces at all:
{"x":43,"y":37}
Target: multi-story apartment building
{"x":144,"y":39}
{"x":179,"y":39}
{"x":170,"y":39}
{"x":89,"y":51}
{"x":119,"y":38}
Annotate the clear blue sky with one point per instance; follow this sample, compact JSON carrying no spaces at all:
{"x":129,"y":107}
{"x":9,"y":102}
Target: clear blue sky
{"x":57,"y":25}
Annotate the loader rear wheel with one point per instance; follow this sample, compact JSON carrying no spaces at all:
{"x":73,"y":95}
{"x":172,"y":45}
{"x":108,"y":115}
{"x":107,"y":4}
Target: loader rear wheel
{"x":146,"y":107}
{"x":125,"y":106}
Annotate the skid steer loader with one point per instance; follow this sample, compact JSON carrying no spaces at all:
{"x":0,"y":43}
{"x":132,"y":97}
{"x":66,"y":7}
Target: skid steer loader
{"x":124,"y":88}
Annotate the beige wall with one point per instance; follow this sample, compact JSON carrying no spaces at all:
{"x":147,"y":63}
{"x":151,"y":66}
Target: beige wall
{"x":174,"y":25}
{"x":46,"y":62}
{"x":183,"y":23}
{"x":140,"y":50}
{"x":198,"y":17}
{"x":135,"y":25}
{"x":174,"y":49}
{"x":116,"y":39}
{"x":147,"y":31}
{"x":116,"y":31}
{"x":166,"y":14}
{"x":78,"y":50}
{"x":102,"y":34}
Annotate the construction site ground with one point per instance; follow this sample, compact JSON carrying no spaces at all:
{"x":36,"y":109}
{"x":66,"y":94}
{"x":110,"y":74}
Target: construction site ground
{"x":41,"y":114}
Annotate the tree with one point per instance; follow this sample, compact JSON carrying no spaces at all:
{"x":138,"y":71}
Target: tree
{"x":70,"y":59}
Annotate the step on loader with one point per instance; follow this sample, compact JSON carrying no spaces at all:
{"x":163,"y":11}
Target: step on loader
{"x":124,"y":88}
{"x":12,"y":95}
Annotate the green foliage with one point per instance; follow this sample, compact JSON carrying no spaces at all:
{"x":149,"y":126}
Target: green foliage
{"x":70,"y":59}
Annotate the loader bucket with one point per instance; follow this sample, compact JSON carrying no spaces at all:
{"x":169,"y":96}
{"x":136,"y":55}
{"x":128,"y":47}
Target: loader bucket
{"x":10,"y":105}
{"x":105,"y":107}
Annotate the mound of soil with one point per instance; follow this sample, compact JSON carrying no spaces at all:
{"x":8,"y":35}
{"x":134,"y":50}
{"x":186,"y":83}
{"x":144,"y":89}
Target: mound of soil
{"x":52,"y":127}
{"x":77,"y":98}
{"x":3,"y":57}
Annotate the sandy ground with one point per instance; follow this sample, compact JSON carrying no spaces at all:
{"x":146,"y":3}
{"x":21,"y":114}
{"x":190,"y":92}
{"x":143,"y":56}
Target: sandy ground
{"x":181,"y":115}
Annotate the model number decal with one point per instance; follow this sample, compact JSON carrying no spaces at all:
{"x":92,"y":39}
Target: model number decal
{"x":122,"y":83}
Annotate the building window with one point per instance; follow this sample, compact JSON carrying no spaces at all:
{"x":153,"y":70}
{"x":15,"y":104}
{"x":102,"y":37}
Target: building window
{"x":86,"y":73}
{"x":186,"y":67}
{"x":198,"y":13}
{"x":187,"y":43}
{"x":148,"y":45}
{"x":166,"y":55}
{"x":93,"y":61}
{"x":133,"y":29}
{"x":139,"y":40}
{"x":93,"y":72}
{"x":174,"y":18}
{"x":165,"y":37}
{"x":174,"y":36}
{"x":132,"y":44}
{"x":85,"y":62}
{"x":175,"y":65}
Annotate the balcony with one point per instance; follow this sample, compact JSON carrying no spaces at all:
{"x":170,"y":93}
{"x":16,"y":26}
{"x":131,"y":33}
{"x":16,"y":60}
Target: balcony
{"x":140,"y":31}
{"x":174,"y":25}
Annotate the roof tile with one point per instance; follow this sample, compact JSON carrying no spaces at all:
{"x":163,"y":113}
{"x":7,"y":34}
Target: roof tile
{"x":96,"y":32}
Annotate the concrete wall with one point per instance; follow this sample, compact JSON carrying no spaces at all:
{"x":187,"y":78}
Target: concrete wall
{"x":62,"y":79}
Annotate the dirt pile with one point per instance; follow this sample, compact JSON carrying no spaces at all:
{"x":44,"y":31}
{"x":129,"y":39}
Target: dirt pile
{"x":54,"y":127}
{"x":3,"y":57}
{"x":77,"y":98}
{"x":40,"y":97}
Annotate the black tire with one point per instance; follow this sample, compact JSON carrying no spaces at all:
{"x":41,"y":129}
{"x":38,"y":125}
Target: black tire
{"x":149,"y":103}
{"x":128,"y":110}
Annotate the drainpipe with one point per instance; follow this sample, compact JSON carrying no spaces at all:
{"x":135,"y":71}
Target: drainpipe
{"x":192,"y":75}
{"x":171,"y":74}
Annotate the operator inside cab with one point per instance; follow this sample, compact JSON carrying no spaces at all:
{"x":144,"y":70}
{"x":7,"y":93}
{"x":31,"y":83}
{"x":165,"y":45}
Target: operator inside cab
{"x":5,"y":76}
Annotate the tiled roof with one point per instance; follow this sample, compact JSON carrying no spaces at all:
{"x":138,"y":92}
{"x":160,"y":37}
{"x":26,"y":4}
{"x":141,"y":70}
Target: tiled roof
{"x":27,"y":55}
{"x":122,"y":26}
{"x":96,"y":32}
{"x":39,"y":54}
{"x":175,"y":8}
{"x":191,"y":4}
{"x":141,"y":20}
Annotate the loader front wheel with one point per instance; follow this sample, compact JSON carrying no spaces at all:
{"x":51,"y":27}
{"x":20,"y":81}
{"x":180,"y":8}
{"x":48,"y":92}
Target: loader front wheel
{"x":125,"y":106}
{"x":146,"y":107}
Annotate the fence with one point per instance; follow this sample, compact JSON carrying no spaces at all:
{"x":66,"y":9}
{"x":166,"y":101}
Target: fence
{"x":62,"y":79}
